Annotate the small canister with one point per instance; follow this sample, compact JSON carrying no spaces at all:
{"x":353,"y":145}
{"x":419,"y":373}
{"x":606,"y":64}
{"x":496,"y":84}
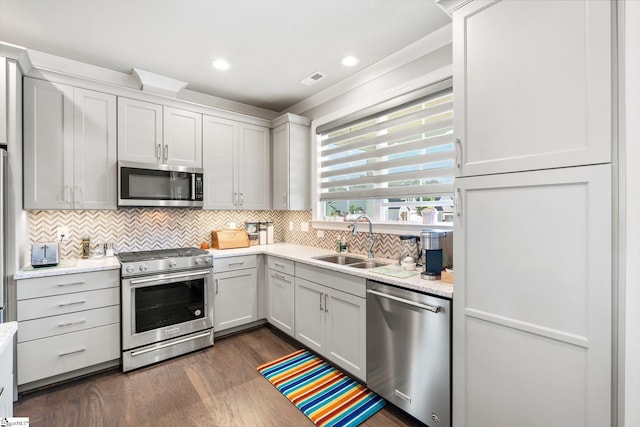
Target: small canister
{"x":263,"y":233}
{"x":269,"y":232}
{"x":86,"y":247}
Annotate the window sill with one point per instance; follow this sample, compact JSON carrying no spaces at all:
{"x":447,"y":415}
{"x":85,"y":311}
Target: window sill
{"x":380,"y":227}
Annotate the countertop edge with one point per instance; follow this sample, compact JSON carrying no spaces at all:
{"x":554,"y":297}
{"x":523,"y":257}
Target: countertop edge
{"x":293,"y":252}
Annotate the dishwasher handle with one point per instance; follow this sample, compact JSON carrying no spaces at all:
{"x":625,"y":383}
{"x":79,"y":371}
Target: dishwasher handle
{"x":433,"y":308}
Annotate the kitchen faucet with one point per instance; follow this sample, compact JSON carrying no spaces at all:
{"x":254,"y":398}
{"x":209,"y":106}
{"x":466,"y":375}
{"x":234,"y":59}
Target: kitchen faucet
{"x":371,"y":238}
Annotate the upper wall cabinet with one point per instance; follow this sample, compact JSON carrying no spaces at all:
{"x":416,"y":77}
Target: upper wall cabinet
{"x":236,"y":159}
{"x":291,"y":147}
{"x":69,"y":147}
{"x":151,"y":133}
{"x":532,"y":85}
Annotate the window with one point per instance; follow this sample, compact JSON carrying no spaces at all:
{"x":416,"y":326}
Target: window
{"x":396,"y":165}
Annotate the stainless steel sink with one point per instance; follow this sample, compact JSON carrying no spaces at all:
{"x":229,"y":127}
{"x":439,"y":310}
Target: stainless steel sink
{"x":367,"y":264}
{"x":339,"y":259}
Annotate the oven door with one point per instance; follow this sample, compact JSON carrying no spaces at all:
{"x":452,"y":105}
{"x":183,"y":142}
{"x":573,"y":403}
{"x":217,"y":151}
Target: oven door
{"x":164,"y":306}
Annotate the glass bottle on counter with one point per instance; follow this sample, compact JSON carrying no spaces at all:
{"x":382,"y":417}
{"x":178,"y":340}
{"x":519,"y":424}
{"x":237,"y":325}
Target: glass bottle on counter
{"x":85,"y":247}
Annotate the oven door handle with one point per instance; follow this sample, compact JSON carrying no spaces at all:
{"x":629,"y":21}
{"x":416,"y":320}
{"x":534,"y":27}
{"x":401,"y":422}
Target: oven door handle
{"x":170,"y":277}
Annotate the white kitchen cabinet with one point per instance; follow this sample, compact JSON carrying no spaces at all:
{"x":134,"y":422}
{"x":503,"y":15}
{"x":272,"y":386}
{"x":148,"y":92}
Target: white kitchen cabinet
{"x":69,"y":147}
{"x":532,"y":85}
{"x":6,"y":377}
{"x":291,"y":151}
{"x":330,"y":316}
{"x":68,"y":325}
{"x":236,"y":157}
{"x":280,"y":294}
{"x":182,"y":137}
{"x":152,"y":133}
{"x":4,"y":136}
{"x":533,"y":305}
{"x":236,"y":292}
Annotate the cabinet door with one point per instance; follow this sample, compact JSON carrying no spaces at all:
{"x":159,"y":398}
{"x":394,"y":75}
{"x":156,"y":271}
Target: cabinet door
{"x":236,"y":298}
{"x":219,"y":147}
{"x":280,"y":165}
{"x":3,"y":101}
{"x":182,"y":138}
{"x":346,"y":333}
{"x":48,"y":145}
{"x":309,"y":314}
{"x":95,"y":160}
{"x":254,"y":159}
{"x":281,"y":301}
{"x":533,"y":304}
{"x":139,"y":131}
{"x":532,"y":84}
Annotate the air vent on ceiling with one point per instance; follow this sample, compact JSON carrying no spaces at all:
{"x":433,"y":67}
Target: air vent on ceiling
{"x":313,"y":79}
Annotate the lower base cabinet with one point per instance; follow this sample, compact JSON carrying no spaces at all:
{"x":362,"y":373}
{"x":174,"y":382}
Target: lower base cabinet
{"x":6,"y":380}
{"x":66,"y":323}
{"x":280,"y":294}
{"x":329,"y":321}
{"x":236,"y":292}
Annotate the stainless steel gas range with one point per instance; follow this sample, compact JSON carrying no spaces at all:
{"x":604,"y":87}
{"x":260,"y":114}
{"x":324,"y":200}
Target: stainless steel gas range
{"x":167,"y":304}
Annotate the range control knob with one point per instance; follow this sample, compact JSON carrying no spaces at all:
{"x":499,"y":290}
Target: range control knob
{"x":172,"y":264}
{"x":130,"y":269}
{"x":198,"y":261}
{"x":208,"y":260}
{"x":143,"y":267}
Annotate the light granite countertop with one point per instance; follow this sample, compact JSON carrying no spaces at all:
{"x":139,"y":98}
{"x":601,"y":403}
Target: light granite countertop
{"x":7,"y":331}
{"x":70,"y":266}
{"x":297,"y":253}
{"x":305,"y":255}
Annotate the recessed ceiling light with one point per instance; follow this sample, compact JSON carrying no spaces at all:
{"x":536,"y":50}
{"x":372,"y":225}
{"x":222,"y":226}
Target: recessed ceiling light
{"x":349,"y":61}
{"x":220,"y":64}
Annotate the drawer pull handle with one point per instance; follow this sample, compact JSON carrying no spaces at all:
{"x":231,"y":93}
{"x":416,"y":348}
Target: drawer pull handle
{"x":1,"y":391}
{"x":236,"y":263}
{"x":72,"y":352}
{"x":71,"y":284}
{"x":277,"y":264}
{"x":280,"y":276}
{"x":64,"y":304}
{"x":77,"y":322}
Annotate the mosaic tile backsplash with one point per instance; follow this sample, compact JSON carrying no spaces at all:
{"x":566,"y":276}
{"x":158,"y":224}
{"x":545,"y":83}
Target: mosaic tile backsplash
{"x":150,"y":228}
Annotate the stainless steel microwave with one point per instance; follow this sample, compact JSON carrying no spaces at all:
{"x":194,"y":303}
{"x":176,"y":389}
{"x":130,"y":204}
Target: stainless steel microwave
{"x":142,"y":184}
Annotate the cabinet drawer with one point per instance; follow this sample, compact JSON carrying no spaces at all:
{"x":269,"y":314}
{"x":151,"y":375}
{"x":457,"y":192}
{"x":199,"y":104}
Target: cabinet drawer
{"x":67,"y":303}
{"x":234,"y":263}
{"x":67,"y":283}
{"x":47,"y":357}
{"x":56,"y":325}
{"x":333,"y":279}
{"x":282,"y":265}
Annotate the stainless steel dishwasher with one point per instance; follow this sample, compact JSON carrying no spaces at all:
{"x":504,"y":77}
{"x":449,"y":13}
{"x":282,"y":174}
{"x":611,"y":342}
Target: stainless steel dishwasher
{"x":409,"y":351}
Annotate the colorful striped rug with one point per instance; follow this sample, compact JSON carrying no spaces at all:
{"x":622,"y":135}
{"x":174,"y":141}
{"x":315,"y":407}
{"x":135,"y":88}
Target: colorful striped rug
{"x":324,"y":394}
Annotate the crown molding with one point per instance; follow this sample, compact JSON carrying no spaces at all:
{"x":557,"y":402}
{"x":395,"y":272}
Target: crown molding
{"x":449,"y":6}
{"x":158,"y":84}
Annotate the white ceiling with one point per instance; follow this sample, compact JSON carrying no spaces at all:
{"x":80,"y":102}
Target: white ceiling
{"x":271,"y":44}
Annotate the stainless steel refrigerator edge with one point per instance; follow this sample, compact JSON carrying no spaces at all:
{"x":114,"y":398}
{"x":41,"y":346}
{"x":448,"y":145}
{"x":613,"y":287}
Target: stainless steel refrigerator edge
{"x":409,"y":351}
{"x":3,"y":237}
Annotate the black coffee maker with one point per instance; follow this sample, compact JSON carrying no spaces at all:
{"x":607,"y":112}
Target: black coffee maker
{"x":432,"y":242}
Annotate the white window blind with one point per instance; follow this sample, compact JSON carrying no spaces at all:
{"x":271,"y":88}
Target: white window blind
{"x":405,"y":152}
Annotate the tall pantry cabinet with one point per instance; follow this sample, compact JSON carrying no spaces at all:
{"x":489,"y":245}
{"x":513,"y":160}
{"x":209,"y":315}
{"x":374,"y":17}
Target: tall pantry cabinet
{"x":533,"y":228}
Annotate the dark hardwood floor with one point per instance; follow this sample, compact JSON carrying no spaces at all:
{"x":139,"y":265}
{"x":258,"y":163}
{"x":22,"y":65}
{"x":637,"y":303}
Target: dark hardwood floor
{"x":218,"y":386}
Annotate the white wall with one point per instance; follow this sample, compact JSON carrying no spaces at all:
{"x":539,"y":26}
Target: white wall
{"x":630,"y":241}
